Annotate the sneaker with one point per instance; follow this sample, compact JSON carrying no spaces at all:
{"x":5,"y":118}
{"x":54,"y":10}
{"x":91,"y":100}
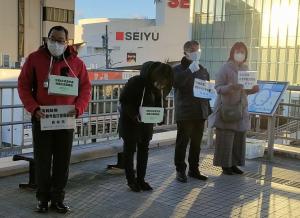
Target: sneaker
{"x":60,"y":207}
{"x":42,"y":207}
{"x":197,"y":175}
{"x":236,"y":170}
{"x":181,"y":177}
{"x":227,"y":171}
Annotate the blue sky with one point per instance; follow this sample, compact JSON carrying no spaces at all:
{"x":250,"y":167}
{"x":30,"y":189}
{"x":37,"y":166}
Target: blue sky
{"x":114,"y":8}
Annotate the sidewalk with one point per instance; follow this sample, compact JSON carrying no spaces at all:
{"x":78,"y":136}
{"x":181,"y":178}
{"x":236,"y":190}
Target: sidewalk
{"x":265,"y":190}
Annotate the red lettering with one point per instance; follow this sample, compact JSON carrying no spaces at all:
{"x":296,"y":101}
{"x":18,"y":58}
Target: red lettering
{"x":185,"y":4}
{"x":179,"y":3}
{"x":173,"y":3}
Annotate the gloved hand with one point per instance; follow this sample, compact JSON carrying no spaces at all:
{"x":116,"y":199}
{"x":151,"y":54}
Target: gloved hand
{"x":194,"y":66}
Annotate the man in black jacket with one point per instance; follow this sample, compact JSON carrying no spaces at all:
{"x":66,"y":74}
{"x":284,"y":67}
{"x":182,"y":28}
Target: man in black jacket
{"x":190,"y":112}
{"x":155,"y":78}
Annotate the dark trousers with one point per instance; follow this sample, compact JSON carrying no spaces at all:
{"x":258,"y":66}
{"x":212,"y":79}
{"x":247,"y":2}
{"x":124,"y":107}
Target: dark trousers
{"x":52,"y":150}
{"x":141,"y":159}
{"x":188,"y":130}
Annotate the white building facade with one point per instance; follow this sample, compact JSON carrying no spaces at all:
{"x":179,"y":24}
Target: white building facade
{"x":132,"y":42}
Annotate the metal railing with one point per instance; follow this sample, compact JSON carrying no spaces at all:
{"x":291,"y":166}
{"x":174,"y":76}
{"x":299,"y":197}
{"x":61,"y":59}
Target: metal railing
{"x":284,"y":127}
{"x":98,"y":123}
{"x":100,"y":120}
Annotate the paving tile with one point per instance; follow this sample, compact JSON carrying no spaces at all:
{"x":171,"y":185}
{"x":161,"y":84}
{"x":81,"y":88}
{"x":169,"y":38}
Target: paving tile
{"x":93,"y":191}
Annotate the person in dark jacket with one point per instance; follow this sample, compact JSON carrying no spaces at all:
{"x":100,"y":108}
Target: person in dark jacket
{"x":52,"y":148}
{"x":155,"y":81}
{"x":190,"y":112}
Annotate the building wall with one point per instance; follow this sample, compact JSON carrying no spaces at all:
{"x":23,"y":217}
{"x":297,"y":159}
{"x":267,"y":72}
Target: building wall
{"x":32,"y":26}
{"x":9,"y":36}
{"x":171,"y":24}
{"x":268,"y":27}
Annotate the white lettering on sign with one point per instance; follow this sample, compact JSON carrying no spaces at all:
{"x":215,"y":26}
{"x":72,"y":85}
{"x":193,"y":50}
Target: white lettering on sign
{"x":247,"y":78}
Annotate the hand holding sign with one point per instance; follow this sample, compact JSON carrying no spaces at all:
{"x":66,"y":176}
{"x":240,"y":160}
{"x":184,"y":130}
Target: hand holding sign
{"x":39,"y":114}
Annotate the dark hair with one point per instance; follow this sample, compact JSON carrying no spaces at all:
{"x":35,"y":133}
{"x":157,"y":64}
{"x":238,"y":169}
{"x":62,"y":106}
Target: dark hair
{"x":189,"y":44}
{"x":237,"y":46}
{"x":162,"y":71}
{"x":59,"y":28}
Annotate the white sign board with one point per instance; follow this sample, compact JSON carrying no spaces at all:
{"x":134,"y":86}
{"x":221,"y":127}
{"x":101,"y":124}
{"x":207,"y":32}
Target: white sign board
{"x":247,"y":78}
{"x":203,"y":89}
{"x":151,"y":114}
{"x":63,"y":85}
{"x":57,"y":117}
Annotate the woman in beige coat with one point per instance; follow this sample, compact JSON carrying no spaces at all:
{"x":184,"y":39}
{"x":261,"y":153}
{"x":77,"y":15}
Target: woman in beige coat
{"x":231,"y":135}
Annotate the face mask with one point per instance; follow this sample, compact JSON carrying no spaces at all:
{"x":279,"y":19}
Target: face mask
{"x":194,"y":56}
{"x":55,"y":48}
{"x":239,"y":57}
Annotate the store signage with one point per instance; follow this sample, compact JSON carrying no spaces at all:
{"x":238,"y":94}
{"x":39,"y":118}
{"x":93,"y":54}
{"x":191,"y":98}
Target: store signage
{"x":137,"y":36}
{"x":179,"y":3}
{"x":131,"y":58}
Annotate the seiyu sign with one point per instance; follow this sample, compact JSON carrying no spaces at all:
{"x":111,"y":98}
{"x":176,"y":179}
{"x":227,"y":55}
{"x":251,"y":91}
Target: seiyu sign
{"x":137,"y":36}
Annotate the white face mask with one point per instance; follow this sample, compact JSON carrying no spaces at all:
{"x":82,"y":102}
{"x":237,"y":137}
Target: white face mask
{"x":239,"y":57}
{"x":55,"y":48}
{"x":194,"y":56}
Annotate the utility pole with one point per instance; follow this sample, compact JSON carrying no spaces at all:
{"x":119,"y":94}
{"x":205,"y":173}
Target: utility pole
{"x":106,"y":47}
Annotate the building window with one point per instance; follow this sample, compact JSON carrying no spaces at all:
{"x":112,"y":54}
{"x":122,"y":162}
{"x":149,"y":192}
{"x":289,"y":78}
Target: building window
{"x":58,"y":15}
{"x":273,"y":43}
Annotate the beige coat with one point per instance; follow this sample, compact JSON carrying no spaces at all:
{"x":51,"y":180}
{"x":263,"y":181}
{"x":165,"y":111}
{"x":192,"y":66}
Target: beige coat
{"x":228,"y":74}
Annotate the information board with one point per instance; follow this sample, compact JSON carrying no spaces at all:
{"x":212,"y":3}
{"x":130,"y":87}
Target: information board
{"x":266,"y":101}
{"x":57,"y":117}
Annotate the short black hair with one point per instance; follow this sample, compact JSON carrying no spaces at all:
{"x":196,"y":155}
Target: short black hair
{"x":237,"y":46}
{"x":189,"y":44}
{"x":59,"y":28}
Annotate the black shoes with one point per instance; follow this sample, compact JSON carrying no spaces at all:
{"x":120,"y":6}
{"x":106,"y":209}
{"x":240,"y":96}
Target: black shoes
{"x":42,"y":207}
{"x":232,"y":170}
{"x":236,"y":170}
{"x":145,"y":186}
{"x":134,"y":186}
{"x":197,"y":175}
{"x":227,"y":171}
{"x":181,"y":177}
{"x":60,"y":207}
{"x":138,"y":186}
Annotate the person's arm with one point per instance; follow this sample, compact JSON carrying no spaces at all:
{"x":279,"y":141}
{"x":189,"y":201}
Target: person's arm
{"x":25,"y":86}
{"x":182,"y":78}
{"x":84,"y":92}
{"x":254,"y":90}
{"x":222,"y":85}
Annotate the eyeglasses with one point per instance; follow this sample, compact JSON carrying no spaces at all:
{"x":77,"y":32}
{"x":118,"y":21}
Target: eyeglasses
{"x":62,"y":42}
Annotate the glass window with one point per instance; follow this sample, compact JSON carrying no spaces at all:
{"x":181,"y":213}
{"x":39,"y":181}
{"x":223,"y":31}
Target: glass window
{"x":58,"y":15}
{"x":290,"y":72}
{"x":70,"y":16}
